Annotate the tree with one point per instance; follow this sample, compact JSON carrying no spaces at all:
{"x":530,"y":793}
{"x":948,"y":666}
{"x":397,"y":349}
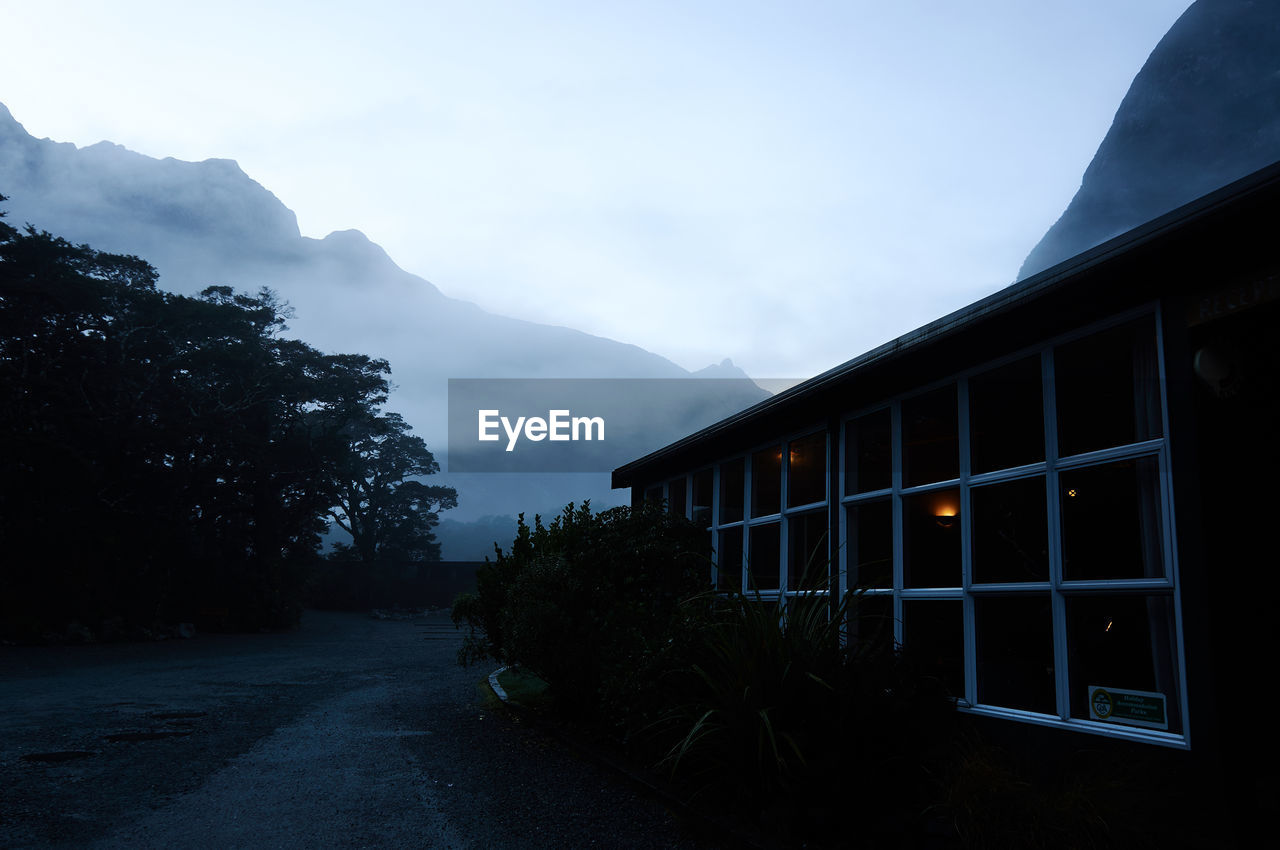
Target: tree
{"x":173,"y":459}
{"x":378,"y":500}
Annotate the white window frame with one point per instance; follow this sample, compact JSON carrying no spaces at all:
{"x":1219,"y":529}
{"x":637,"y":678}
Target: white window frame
{"x":1058,"y":589}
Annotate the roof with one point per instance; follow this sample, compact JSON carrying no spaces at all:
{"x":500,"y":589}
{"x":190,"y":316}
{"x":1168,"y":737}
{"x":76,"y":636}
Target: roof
{"x":1218,"y":234}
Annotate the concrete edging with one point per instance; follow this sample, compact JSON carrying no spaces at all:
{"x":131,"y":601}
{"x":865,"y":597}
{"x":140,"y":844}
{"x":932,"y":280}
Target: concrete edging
{"x":497,"y":688}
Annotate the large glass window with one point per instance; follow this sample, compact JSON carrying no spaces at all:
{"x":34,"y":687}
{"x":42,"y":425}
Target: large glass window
{"x":931,"y":538}
{"x":729,"y":559}
{"x":676,"y":497}
{"x":1024,"y":542}
{"x":1010,"y":531}
{"x":807,"y":470}
{"x":1007,"y":529}
{"x":1006,"y":416}
{"x":870,"y":548}
{"x":1108,"y":389}
{"x":1111,"y":520}
{"x":868,"y":453}
{"x":772,"y":529}
{"x":764,"y":564}
{"x":766,"y":481}
{"x":930,"y":437}
{"x":703,"y":486}
{"x":933,"y":634}
{"x":732,"y":490}
{"x":808,"y":567}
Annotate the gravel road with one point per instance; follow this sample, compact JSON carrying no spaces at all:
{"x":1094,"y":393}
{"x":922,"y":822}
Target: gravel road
{"x":350,"y":732}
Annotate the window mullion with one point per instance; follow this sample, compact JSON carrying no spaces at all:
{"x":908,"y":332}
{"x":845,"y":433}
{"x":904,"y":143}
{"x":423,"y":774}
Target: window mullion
{"x":966,"y":545}
{"x":895,"y":449}
{"x":1058,"y":604}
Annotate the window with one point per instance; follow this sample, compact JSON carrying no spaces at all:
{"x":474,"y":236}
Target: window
{"x":676,"y":496}
{"x":1011,"y":526}
{"x":771,"y":529}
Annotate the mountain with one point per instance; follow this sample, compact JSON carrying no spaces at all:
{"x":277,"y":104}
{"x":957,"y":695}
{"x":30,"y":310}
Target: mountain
{"x":1203,"y":111}
{"x":206,"y":223}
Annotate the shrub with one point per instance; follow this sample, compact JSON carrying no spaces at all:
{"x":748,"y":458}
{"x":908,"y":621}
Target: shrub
{"x":780,"y":719}
{"x":590,"y":603}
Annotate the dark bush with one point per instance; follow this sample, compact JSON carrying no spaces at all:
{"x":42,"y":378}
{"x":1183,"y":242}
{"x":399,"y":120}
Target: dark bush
{"x":591,"y":603}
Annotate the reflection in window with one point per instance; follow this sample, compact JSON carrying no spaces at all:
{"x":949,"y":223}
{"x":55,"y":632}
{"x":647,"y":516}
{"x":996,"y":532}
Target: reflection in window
{"x":871,"y":619}
{"x":702,"y":489}
{"x":870,"y":548}
{"x":676,"y":497}
{"x":1015,"y":652}
{"x":1108,"y":389}
{"x":807,"y":470}
{"x":1006,"y":416}
{"x":931,"y":539}
{"x":766,"y":482}
{"x":1010,"y":531}
{"x":1111,"y":520}
{"x":808,"y":567}
{"x":868,"y":454}
{"x":933,"y":637}
{"x":930,"y":437}
{"x":763,"y":559}
{"x":809,"y":608}
{"x":732,"y":490}
{"x":1122,"y":642}
{"x":729,"y":560}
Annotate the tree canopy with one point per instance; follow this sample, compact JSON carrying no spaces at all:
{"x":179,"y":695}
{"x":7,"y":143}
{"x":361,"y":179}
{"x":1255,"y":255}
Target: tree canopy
{"x":172,"y":459}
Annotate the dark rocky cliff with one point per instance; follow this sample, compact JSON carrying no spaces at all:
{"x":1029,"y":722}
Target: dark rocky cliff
{"x":1203,"y":111}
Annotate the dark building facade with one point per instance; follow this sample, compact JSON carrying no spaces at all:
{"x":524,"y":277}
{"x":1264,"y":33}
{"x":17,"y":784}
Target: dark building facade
{"x":1060,"y":496}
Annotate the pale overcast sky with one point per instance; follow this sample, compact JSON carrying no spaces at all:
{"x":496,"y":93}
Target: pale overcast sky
{"x":786,"y":184}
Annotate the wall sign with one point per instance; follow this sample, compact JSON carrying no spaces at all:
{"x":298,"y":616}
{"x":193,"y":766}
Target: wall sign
{"x":1132,"y":708}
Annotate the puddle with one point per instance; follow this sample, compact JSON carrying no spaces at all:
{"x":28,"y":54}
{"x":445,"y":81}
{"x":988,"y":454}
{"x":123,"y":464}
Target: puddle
{"x":54,"y":758}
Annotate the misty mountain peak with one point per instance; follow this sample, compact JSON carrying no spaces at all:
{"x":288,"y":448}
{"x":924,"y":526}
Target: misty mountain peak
{"x":1203,"y":111}
{"x":127,"y":202}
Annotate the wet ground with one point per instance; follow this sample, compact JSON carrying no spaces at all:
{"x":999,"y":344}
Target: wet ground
{"x":351,"y":732}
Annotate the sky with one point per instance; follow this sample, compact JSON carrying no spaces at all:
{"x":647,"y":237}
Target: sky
{"x":784,"y":184}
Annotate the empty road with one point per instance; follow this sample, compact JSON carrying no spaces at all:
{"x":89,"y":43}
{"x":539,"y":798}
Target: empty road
{"x":350,"y":732}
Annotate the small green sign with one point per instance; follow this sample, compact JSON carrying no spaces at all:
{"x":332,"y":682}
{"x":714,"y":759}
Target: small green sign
{"x":1132,"y":708}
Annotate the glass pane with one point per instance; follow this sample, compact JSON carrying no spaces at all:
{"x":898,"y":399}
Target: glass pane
{"x":1010,"y":531}
{"x":653,"y":494}
{"x":807,"y":471}
{"x":1015,"y":652}
{"x":729,"y":560}
{"x":732,"y":491}
{"x":1108,"y":389}
{"x":931,"y":539}
{"x":933,"y":637}
{"x":1006,"y":416}
{"x":870,"y":526}
{"x":808,"y":567}
{"x":868,"y":453}
{"x":764,"y":561}
{"x":1123,"y":643}
{"x":676,"y":497}
{"x":930,"y":437}
{"x":1111,"y":521}
{"x":766,"y":482}
{"x":871,"y":620}
{"x":702,"y":489}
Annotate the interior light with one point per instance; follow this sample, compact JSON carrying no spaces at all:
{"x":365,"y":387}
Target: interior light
{"x":945,"y":516}
{"x":1071,"y":493}
{"x":1109,"y":622}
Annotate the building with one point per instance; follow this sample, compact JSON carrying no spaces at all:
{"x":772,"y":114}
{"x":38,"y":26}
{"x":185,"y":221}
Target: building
{"x":1060,"y":495}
